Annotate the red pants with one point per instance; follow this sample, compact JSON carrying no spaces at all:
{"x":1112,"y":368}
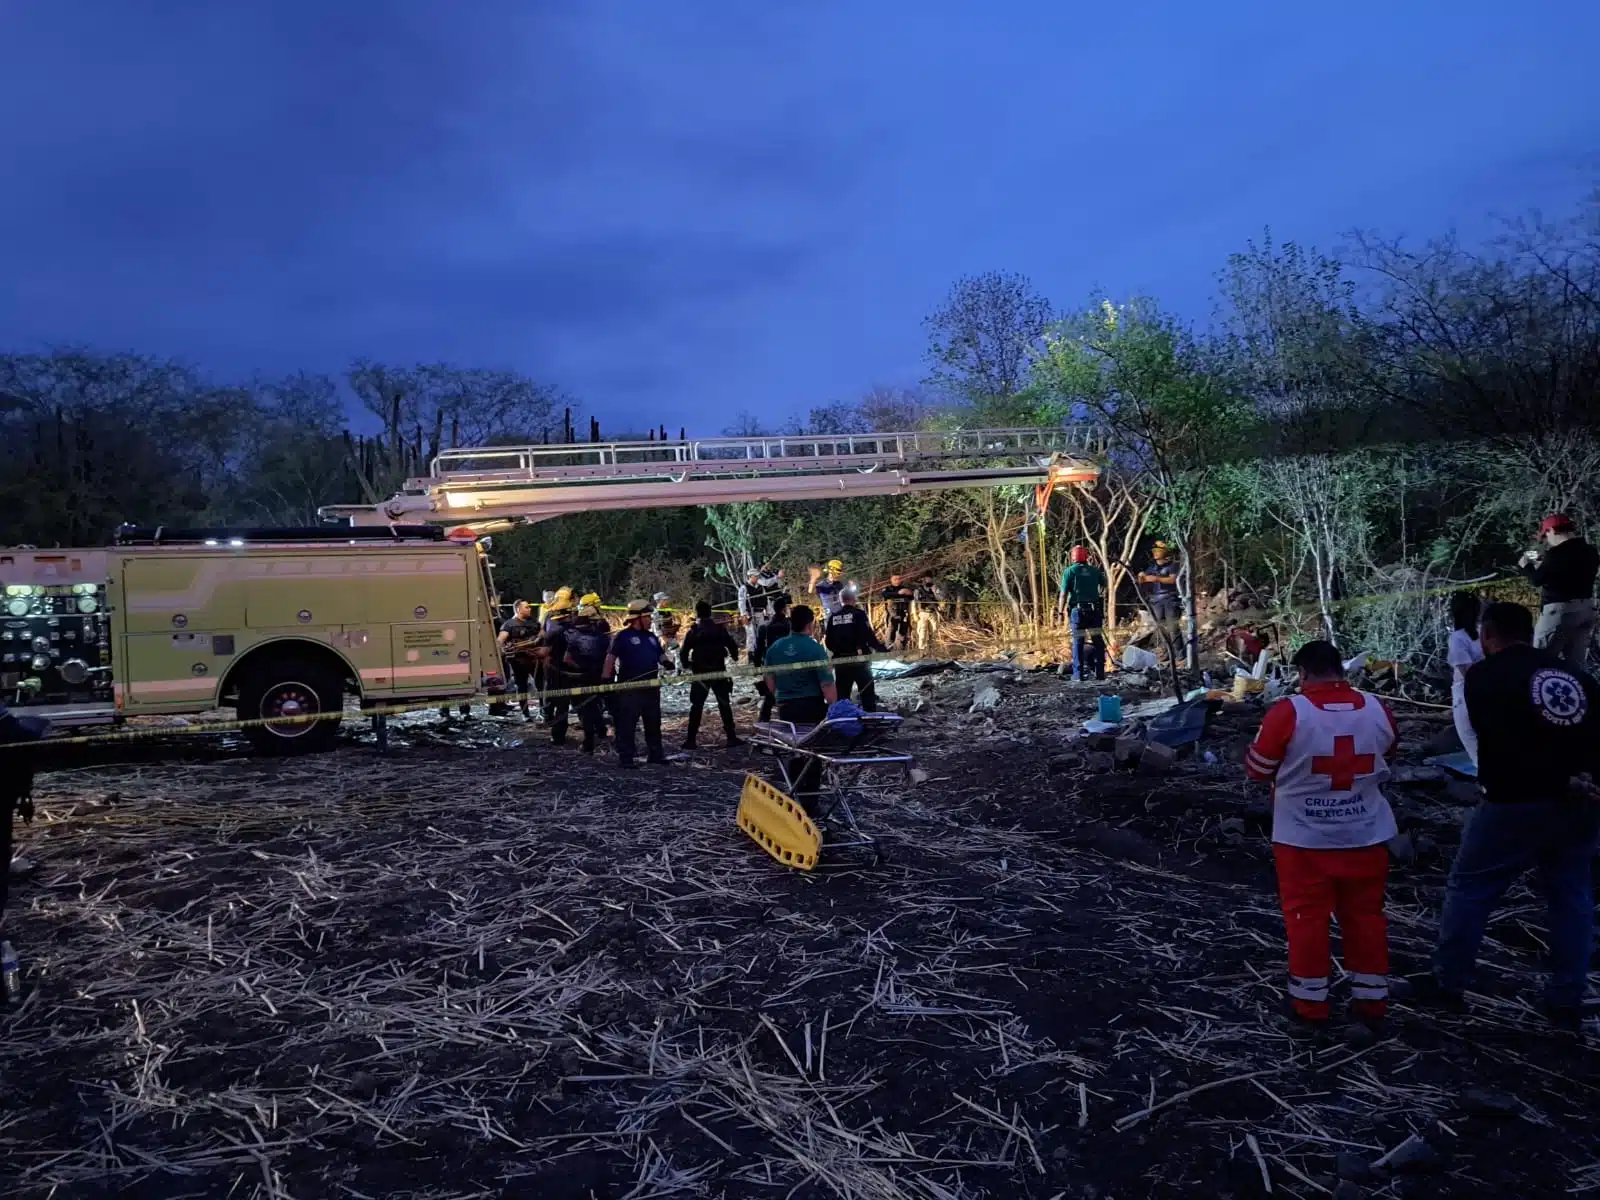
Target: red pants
{"x":1315,"y":885}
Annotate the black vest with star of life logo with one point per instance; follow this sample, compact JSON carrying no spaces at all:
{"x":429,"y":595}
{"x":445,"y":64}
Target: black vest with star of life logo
{"x":1538,"y":725}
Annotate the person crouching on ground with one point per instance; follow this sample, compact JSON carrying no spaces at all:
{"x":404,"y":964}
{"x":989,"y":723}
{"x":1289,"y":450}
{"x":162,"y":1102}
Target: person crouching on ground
{"x":1326,"y":753}
{"x":1538,"y":726}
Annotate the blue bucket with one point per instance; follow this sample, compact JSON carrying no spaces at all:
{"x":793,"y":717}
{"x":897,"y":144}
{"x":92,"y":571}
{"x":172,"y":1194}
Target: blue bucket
{"x":1111,"y":709}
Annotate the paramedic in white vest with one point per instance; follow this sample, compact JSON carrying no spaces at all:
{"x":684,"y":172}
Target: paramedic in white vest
{"x":1326,"y":753}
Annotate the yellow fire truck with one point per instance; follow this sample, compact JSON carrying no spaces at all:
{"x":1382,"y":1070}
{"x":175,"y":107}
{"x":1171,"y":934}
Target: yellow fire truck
{"x":275,"y":623}
{"x":389,"y":608}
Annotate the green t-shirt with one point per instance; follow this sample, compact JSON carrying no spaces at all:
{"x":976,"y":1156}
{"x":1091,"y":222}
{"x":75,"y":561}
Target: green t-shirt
{"x":1083,"y":583}
{"x":798,"y":648}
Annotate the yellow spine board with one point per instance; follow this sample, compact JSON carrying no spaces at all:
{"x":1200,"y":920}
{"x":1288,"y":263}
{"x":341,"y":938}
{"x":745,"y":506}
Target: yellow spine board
{"x":778,"y":825}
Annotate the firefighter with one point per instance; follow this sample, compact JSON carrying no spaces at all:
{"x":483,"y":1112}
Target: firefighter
{"x":849,"y":634}
{"x":516,"y":640}
{"x":1162,"y":577}
{"x":897,"y":600}
{"x":1083,"y":588}
{"x":635,"y":656}
{"x":775,"y":629}
{"x":588,"y":640}
{"x":706,"y":650}
{"x":1326,"y":753}
{"x":553,"y":643}
{"x":826,"y":584}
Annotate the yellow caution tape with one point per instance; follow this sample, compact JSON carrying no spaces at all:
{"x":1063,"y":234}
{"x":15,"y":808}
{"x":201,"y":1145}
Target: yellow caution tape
{"x":1054,"y":637}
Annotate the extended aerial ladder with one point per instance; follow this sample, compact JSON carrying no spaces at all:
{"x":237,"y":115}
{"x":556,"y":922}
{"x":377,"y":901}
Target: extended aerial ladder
{"x":480,"y":488}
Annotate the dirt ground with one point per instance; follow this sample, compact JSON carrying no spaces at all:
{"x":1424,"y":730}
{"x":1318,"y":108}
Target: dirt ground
{"x":483,"y":966}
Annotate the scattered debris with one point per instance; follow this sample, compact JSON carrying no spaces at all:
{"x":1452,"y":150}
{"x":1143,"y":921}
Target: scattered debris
{"x":984,"y":698}
{"x":1156,"y":758}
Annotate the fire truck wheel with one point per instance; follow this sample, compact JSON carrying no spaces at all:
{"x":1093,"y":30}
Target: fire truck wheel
{"x":290,"y":687}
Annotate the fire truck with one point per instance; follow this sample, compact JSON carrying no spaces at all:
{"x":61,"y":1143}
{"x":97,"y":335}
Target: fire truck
{"x":394,"y":604}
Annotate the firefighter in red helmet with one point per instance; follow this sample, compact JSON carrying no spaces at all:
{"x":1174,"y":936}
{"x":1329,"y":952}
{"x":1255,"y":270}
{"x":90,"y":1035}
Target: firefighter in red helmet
{"x":1083,"y":589}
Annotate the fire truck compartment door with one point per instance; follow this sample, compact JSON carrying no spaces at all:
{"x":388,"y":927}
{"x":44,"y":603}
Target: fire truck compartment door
{"x":432,"y":654}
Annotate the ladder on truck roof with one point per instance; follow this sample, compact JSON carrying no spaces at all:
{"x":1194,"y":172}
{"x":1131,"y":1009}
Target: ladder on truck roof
{"x":488,"y":484}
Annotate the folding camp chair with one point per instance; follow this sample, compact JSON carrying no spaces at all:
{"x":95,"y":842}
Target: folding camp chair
{"x":838,"y":753}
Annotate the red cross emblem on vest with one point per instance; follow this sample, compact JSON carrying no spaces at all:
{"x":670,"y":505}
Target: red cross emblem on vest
{"x":1344,"y":765}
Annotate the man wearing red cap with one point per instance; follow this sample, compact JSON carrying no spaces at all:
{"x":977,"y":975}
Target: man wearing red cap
{"x":1564,"y":575}
{"x":1083,"y":587}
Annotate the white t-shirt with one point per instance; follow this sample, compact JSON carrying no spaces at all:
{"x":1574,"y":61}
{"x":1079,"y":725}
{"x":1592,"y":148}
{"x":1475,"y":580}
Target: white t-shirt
{"x":1462,"y":651}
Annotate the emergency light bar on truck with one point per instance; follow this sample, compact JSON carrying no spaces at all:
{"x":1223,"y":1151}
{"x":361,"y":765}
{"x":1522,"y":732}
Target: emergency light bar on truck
{"x":477,"y":485}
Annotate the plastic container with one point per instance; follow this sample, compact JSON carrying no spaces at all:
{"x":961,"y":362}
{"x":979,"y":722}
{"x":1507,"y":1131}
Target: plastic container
{"x":1137,"y":658}
{"x":1111,"y":709}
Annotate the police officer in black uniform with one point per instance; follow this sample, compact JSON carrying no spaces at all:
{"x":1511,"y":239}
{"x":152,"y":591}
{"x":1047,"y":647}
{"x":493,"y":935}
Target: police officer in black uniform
{"x":847,"y":634}
{"x":706,"y":649}
{"x":777,"y":626}
{"x":636,"y":655}
{"x":588,"y":639}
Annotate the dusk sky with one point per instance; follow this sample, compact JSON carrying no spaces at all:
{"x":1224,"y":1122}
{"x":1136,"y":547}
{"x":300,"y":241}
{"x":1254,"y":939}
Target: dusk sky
{"x":678,"y":211}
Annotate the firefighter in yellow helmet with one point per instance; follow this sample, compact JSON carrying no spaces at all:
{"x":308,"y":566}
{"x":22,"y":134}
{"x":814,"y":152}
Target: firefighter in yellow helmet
{"x":553,"y":641}
{"x":1161,"y":579}
{"x":827,"y":583}
{"x":588,"y":641}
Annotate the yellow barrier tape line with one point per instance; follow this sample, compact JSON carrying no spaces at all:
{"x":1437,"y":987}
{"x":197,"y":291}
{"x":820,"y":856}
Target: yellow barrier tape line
{"x":684,"y":679}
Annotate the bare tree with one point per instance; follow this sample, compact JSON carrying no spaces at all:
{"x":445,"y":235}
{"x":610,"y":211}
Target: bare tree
{"x":983,"y":338}
{"x":1112,"y":517}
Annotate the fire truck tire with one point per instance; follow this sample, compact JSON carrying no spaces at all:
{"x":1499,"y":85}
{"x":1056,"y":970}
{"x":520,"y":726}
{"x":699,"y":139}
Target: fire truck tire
{"x":282,"y":687}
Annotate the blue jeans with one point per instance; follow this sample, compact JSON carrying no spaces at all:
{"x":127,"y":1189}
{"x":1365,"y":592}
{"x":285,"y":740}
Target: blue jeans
{"x":1082,"y":617}
{"x":1503,"y":841}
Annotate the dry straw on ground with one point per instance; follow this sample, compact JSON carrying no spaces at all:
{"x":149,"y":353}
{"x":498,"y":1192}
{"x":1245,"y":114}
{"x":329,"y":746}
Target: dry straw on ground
{"x":477,"y":967}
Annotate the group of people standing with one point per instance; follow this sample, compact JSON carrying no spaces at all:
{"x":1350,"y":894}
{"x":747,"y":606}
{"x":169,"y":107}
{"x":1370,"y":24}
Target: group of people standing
{"x":1082,"y":601}
{"x":569,"y":645}
{"x":1528,"y":712}
{"x":1327,"y":752}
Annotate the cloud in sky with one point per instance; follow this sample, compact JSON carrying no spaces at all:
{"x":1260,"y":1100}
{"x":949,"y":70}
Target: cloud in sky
{"x":685,"y":211}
